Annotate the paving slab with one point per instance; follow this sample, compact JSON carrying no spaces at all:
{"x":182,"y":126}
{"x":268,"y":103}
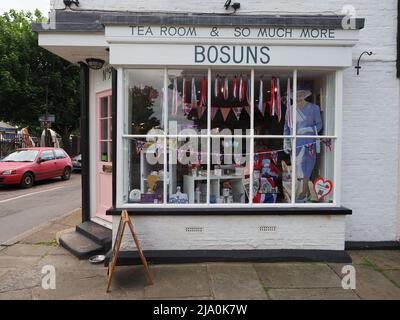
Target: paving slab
{"x":3,"y":271}
{"x":357,"y":257}
{"x":182,"y":299}
{"x":394,"y":276}
{"x":26,"y":250}
{"x":178,"y":281}
{"x":71,"y":289}
{"x":69,"y":262}
{"x":71,"y":220}
{"x":130,"y":281}
{"x":18,"y":262}
{"x":235,"y":282}
{"x":24,"y":294}
{"x":100,"y":293}
{"x":338,"y":267}
{"x":312,"y":294}
{"x":371,"y":284}
{"x":19,"y":279}
{"x":385,"y":260}
{"x":297,"y":275}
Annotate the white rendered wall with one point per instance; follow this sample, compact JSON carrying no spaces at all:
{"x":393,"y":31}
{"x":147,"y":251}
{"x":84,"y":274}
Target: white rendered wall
{"x":370,"y":107}
{"x":237,"y":233}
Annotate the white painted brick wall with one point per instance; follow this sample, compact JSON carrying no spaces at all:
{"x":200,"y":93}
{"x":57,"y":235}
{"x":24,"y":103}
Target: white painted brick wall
{"x":371,"y":106}
{"x":237,"y":233}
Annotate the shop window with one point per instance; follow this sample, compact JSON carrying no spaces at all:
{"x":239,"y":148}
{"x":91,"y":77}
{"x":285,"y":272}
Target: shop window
{"x":228,"y":137}
{"x":145,"y":165}
{"x":230,"y":100}
{"x":146,"y":95}
{"x":187,"y":101}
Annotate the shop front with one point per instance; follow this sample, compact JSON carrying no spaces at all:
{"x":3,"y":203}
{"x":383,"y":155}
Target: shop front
{"x":220,"y":135}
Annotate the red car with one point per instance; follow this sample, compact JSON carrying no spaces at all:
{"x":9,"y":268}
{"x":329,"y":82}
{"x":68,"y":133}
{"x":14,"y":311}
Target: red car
{"x":25,"y":166}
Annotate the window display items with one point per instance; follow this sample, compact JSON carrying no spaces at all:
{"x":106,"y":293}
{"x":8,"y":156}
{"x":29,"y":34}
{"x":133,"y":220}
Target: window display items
{"x":266,"y":174}
{"x":179,"y":197}
{"x":227,"y":194}
{"x":287,"y":182}
{"x":308,"y":123}
{"x":135,"y":196}
{"x":151,"y":196}
{"x":322,"y":188}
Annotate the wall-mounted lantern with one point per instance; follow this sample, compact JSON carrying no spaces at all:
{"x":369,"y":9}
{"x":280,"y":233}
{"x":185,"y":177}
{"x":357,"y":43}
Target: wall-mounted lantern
{"x":95,"y":64}
{"x":69,"y":3}
{"x":235,"y":6}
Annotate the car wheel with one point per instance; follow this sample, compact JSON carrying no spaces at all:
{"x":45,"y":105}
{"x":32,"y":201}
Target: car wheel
{"x":27,"y":181}
{"x":67,"y":174}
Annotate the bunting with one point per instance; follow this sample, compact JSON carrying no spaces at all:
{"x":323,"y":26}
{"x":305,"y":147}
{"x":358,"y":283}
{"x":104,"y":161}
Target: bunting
{"x":203,"y":98}
{"x":278,"y":104}
{"x":214,"y":111}
{"x":289,"y":111}
{"x":242,"y":92}
{"x":226,"y":88}
{"x":225,"y":112}
{"x":261,"y":98}
{"x":175,"y":98}
{"x":272,"y":98}
{"x":139,"y":146}
{"x":248,"y":97}
{"x":237,"y":111}
{"x":217,"y":87}
{"x":235,"y":88}
{"x":185,"y":105}
{"x":194,"y":95}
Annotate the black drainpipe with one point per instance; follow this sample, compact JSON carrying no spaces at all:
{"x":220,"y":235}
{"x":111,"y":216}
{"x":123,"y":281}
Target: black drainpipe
{"x":114,"y":136}
{"x":84,"y":70}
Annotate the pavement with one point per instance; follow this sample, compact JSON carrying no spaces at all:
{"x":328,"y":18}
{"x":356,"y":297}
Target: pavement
{"x":21,"y":263}
{"x":23,"y":209}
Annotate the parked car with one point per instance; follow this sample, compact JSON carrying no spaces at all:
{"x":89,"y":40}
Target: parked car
{"x":25,"y":166}
{"x":77,"y":163}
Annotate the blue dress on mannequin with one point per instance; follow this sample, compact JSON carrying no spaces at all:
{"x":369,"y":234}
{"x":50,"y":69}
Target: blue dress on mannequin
{"x":309,"y":123}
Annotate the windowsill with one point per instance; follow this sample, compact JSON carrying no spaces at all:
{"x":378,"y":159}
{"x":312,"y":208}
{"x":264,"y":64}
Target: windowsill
{"x":253,"y":211}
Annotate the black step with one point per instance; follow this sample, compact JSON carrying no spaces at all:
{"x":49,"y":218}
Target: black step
{"x":97,"y":233}
{"x":80,"y":246}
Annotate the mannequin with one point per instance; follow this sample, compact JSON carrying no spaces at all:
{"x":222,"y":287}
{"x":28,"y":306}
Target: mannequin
{"x":308,"y":123}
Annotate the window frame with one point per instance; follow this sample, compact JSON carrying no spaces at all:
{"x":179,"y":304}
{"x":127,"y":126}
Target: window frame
{"x":122,"y":137}
{"x":106,"y":95}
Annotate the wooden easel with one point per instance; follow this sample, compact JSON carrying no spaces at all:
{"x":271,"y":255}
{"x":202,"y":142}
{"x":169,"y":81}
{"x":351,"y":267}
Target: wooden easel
{"x":125,"y":220}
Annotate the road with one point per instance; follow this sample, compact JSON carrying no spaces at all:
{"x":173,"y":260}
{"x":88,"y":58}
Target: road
{"x":22,"y":210}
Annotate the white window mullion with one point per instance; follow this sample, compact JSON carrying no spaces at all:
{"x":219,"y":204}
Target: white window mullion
{"x":209,"y":158}
{"x":337,"y":145}
{"x":251,"y":158}
{"x":294,"y":139}
{"x":165,"y":110}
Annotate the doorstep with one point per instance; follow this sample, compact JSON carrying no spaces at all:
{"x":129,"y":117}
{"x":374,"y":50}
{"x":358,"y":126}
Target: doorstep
{"x":87,"y":239}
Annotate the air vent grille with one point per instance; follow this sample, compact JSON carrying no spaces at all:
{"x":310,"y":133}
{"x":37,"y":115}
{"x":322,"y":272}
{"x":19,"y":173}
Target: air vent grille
{"x":194,"y":229}
{"x":267,"y":228}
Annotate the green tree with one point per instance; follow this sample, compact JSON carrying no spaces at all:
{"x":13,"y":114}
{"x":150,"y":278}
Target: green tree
{"x":34,"y":81}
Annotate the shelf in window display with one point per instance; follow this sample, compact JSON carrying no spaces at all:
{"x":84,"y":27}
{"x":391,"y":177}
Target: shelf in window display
{"x":218,"y":178}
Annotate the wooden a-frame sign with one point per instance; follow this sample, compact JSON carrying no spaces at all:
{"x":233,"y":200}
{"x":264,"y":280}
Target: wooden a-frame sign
{"x":125,"y":220}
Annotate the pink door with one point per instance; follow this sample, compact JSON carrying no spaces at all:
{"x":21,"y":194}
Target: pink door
{"x":104,"y":155}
